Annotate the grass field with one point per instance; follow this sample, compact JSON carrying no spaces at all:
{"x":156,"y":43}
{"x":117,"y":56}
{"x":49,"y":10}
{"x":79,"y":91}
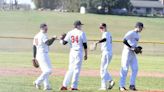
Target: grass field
{"x":16,"y":53}
{"x":22,"y":83}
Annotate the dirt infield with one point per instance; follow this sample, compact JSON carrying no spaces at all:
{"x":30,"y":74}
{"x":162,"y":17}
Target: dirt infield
{"x":61,"y":72}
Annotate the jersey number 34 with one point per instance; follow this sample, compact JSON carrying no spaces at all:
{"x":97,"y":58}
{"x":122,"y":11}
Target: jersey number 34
{"x":75,"y":39}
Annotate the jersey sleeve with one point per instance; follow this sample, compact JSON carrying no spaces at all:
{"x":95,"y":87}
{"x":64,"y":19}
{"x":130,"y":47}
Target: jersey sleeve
{"x":128,"y":35}
{"x":104,"y":35}
{"x":44,"y":38}
{"x":35,"y":41}
{"x":84,"y":38}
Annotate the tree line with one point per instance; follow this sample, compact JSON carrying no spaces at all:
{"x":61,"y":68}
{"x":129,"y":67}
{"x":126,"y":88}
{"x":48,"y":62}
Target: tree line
{"x":91,"y":5}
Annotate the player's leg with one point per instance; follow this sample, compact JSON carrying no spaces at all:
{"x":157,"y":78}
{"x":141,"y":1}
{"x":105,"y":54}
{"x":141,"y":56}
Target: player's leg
{"x":104,"y":70}
{"x":41,"y":78}
{"x":40,"y":59}
{"x":48,"y":71}
{"x":109,"y":83}
{"x":77,"y":69}
{"x":45,"y":66}
{"x":69,"y":73}
{"x":46,"y":82}
{"x":134,"y":67}
{"x":126,"y":56}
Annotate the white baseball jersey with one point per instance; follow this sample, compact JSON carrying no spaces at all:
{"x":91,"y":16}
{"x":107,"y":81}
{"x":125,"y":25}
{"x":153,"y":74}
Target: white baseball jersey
{"x":39,"y":42}
{"x":107,"y":45}
{"x":132,"y":37}
{"x":76,"y":38}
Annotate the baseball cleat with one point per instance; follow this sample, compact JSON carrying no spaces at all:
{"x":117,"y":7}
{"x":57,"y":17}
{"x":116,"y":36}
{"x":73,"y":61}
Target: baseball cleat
{"x":122,"y":89}
{"x":74,"y":89}
{"x":37,"y":85}
{"x":132,"y":87}
{"x":111,"y":84}
{"x":63,"y":88}
{"x":47,"y":89}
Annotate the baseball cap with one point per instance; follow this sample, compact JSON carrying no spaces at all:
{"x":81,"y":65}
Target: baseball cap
{"x":139,"y":24}
{"x":77,"y":22}
{"x":43,"y":25}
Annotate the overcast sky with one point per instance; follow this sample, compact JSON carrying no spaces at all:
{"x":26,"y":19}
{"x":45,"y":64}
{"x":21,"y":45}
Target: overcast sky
{"x":20,"y":1}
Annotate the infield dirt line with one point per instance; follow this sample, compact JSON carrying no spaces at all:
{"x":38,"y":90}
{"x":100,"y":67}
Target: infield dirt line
{"x":61,"y":72}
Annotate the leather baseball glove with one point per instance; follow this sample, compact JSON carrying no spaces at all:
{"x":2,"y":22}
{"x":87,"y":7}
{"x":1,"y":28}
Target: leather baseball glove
{"x":63,"y":36}
{"x":35,"y":63}
{"x":93,"y":46}
{"x":138,"y":50}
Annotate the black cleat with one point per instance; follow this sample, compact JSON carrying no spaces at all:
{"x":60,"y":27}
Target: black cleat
{"x":132,"y":87}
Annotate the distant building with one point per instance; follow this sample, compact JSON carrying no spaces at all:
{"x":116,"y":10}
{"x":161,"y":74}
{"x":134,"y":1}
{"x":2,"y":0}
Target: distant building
{"x":145,"y":7}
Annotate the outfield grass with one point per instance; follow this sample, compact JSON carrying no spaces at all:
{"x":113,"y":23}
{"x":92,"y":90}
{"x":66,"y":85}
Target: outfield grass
{"x":60,"y":60}
{"x":27,"y":24}
{"x":21,"y":83}
{"x":86,"y":84}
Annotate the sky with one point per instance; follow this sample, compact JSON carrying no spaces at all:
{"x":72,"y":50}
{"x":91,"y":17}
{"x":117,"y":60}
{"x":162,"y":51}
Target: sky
{"x":23,"y":2}
{"x":20,"y":1}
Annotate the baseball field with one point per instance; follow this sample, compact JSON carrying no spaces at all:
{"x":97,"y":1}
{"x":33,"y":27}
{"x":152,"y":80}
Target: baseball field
{"x":17,"y":29}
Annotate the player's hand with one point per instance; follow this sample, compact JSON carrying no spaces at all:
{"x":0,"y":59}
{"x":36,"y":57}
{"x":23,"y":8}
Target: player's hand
{"x":85,"y":57}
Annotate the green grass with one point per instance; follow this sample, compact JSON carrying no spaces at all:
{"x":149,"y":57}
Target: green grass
{"x":86,"y":84}
{"x":60,"y":60}
{"x":21,"y":83}
{"x":27,"y":24}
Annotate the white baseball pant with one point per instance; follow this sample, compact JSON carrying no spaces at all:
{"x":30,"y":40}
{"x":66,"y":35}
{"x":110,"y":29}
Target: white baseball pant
{"x":45,"y":65}
{"x":105,"y":75}
{"x":75,"y":62}
{"x":128,"y":59}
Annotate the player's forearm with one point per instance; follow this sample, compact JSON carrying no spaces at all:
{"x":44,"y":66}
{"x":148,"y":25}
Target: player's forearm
{"x":102,"y":40}
{"x":126,"y":43}
{"x":85,"y":51}
{"x":34,"y":51}
{"x":50,"y":41}
{"x":86,"y":54}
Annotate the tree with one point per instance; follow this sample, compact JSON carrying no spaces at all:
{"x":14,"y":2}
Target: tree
{"x":95,"y":6}
{"x":37,"y":3}
{"x":107,"y":5}
{"x":69,"y":5}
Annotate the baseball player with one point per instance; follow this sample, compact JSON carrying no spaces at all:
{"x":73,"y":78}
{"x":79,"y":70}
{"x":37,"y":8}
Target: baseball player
{"x":41,"y":45}
{"x":106,"y":48}
{"x":77,"y":40}
{"x":129,"y":57}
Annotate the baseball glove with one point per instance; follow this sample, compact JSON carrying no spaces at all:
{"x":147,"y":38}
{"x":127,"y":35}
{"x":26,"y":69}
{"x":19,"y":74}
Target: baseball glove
{"x":62,"y":36}
{"x":35,"y":63}
{"x":93,"y":46}
{"x":138,"y":49}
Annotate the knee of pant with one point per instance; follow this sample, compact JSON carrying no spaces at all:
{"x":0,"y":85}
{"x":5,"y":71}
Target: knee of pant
{"x":125,"y":69}
{"x":102,"y":71}
{"x":77,"y":70}
{"x":48,"y":71}
{"x":135,"y":70}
